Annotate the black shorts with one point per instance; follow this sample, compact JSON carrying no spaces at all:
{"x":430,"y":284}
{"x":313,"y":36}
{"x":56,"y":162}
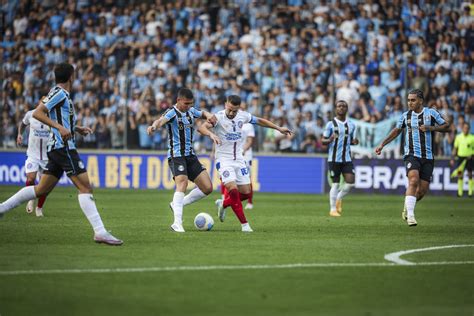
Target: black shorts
{"x":469,"y":163}
{"x":424,"y":166}
{"x":64,"y":160}
{"x":336,"y":168}
{"x":188,"y":166}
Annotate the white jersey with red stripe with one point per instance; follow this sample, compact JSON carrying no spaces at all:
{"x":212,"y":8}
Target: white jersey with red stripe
{"x":230,"y":133}
{"x":38,"y":139}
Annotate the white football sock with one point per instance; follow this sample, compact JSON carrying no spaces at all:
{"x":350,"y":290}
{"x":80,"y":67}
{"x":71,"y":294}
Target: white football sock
{"x":25,"y":194}
{"x":410,"y":202}
{"x":87,"y":203}
{"x":195,"y":195}
{"x":345,"y":189}
{"x":178,"y":198}
{"x":333,"y":195}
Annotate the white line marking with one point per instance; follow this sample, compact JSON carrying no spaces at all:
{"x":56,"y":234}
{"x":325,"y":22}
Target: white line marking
{"x":395,"y":256}
{"x":229,"y":267}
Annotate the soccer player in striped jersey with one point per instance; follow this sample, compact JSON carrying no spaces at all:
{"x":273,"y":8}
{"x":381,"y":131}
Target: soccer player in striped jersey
{"x":180,"y":121}
{"x":37,"y":158}
{"x":419,"y":124}
{"x":339,"y":134}
{"x":464,"y":150}
{"x":230,"y":162}
{"x":57,"y":111}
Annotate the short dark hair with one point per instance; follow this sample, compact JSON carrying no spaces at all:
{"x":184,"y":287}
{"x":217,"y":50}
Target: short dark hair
{"x":342,"y":102}
{"x":418,"y":92}
{"x":234,"y":99}
{"x":185,"y":93}
{"x":63,"y":72}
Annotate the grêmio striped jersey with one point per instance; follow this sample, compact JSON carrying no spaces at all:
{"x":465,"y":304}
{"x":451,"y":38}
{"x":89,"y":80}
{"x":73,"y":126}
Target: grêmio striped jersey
{"x":181,"y":131}
{"x":61,"y":110}
{"x":418,"y":143}
{"x":340,"y":147}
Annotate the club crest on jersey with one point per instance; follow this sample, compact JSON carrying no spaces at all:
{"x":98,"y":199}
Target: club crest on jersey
{"x":226,"y":174}
{"x":240,"y":124}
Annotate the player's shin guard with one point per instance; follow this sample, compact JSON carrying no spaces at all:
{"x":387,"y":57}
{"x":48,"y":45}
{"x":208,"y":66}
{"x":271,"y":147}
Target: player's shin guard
{"x":410,"y":202}
{"x":87,"y":203}
{"x":178,"y":198}
{"x":333,"y":195}
{"x":25,"y":194}
{"x":345,"y":189}
{"x":460,"y":186}
{"x":195,"y":195}
{"x":236,"y":205}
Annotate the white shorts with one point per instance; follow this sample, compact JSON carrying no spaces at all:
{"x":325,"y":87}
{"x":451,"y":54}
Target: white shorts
{"x":233,"y":171}
{"x":35,"y":165}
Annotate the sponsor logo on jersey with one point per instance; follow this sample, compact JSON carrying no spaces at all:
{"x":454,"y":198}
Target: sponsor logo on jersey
{"x":233,"y":136}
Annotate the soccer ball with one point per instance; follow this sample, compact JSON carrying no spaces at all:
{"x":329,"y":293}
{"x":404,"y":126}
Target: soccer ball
{"x":203,"y":221}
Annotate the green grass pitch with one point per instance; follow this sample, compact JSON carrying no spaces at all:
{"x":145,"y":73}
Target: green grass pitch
{"x":289,"y":229}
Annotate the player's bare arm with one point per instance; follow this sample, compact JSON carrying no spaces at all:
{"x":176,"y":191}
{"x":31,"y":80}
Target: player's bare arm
{"x":211,"y":118}
{"x":248,"y":144}
{"x":21,"y":129}
{"x":443,"y":128}
{"x":156,"y":125}
{"x":205,"y":129}
{"x":266,"y":123}
{"x":328,"y":140}
{"x":41,"y":114}
{"x":83,"y":130}
{"x":393,"y":134}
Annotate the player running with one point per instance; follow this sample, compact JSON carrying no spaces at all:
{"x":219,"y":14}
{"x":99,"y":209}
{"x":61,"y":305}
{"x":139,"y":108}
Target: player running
{"x":36,"y":153}
{"x":419,"y":123}
{"x":230,"y":162}
{"x":184,"y":164}
{"x":339,"y":134}
{"x":57,"y":111}
{"x":463,"y":150}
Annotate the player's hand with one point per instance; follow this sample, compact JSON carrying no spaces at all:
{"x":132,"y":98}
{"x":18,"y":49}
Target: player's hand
{"x":84,"y":130}
{"x":378,"y":150}
{"x":451,"y":162}
{"x":19,"y":140}
{"x":65,"y":133}
{"x":425,"y":128}
{"x":285,"y":131}
{"x":212,"y":120}
{"x":215,"y":139}
{"x":150,"y":130}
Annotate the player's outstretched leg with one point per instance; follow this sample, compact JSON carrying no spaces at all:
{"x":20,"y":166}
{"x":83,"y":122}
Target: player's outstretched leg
{"x":25,"y":194}
{"x":234,"y":201}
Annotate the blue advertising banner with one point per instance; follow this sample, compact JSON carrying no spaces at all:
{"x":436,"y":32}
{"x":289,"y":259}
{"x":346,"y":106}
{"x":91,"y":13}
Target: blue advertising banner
{"x":150,"y":171}
{"x":388,"y":176}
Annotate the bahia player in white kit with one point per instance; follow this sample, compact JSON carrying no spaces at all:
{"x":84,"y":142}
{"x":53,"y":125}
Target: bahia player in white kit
{"x":36,"y":153}
{"x":230,"y":162}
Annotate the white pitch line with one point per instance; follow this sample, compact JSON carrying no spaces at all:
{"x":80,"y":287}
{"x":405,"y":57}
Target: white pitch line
{"x":228,"y":267}
{"x":395,"y":256}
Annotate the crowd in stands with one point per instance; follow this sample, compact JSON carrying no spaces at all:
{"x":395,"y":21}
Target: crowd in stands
{"x":288,"y":60}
